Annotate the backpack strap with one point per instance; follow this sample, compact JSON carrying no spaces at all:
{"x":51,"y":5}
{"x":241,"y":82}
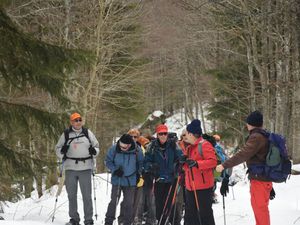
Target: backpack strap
{"x":200,"y":148}
{"x":67,"y":138}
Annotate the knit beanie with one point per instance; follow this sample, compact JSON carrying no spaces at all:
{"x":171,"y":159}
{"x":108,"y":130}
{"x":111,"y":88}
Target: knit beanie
{"x":194,"y":127}
{"x":255,"y":119}
{"x":126,"y":139}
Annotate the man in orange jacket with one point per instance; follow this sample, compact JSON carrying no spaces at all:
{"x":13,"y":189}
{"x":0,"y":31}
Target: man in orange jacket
{"x":198,"y":165}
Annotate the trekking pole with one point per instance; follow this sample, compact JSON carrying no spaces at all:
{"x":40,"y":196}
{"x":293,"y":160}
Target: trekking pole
{"x":173,"y":204}
{"x":59,"y":189}
{"x":165,"y":206}
{"x":94,"y":187}
{"x":224,"y":210}
{"x":196,"y":197}
{"x":107,"y":182}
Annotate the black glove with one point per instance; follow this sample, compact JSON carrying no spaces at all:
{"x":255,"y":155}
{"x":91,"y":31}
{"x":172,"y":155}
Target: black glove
{"x":118,"y":172}
{"x":272,"y":194}
{"x":183,"y":159}
{"x":92,"y":150}
{"x":192,"y":163}
{"x":224,"y":187}
{"x":64,"y":149}
{"x":154,"y":169}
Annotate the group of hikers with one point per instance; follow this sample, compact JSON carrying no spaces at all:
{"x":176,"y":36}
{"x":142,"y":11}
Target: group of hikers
{"x":160,"y":175}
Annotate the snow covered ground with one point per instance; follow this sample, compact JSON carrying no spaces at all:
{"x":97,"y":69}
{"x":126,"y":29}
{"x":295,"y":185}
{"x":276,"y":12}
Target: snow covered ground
{"x":284,"y":209}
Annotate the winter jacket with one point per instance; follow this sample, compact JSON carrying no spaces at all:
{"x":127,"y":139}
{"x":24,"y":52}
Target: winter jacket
{"x":79,"y":148}
{"x":166,"y":159}
{"x":254,"y":151}
{"x":203,"y":174}
{"x":131,"y":161}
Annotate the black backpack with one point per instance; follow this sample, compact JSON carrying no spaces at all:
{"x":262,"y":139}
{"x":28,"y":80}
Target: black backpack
{"x":85,"y":133}
{"x":68,"y":130}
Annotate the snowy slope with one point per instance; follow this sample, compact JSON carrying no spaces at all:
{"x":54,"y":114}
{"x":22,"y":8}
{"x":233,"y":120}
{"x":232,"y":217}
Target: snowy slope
{"x":284,"y":209}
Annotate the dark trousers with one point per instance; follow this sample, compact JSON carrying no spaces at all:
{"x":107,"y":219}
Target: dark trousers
{"x":205,"y":207}
{"x":126,"y":212}
{"x":161,"y":191}
{"x":146,"y":201}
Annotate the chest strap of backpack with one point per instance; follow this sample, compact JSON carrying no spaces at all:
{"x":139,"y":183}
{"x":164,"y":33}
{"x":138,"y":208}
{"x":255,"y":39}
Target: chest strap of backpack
{"x":79,"y":159}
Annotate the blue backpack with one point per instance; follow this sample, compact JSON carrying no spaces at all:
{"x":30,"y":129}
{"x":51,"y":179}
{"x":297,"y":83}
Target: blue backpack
{"x":278,"y":166}
{"x":220,"y":154}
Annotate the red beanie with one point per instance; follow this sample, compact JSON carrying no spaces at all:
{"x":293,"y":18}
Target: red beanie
{"x":161,"y":128}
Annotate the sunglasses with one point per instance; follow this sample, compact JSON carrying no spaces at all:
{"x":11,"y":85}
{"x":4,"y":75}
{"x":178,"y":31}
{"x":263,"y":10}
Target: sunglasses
{"x":134,"y":136}
{"x":77,"y":120}
{"x":161,"y":134}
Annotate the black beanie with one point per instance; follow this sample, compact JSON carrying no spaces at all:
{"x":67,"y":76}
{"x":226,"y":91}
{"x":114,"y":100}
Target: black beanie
{"x":255,"y":119}
{"x":126,"y":139}
{"x":194,"y":127}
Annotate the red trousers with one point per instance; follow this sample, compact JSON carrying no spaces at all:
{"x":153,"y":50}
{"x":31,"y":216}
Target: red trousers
{"x":260,"y":194}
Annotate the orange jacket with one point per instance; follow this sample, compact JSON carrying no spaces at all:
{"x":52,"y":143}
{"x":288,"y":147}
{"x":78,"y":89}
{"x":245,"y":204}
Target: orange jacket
{"x":203,"y":174}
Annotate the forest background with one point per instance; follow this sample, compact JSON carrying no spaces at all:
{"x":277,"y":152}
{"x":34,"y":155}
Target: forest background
{"x":115,"y":61}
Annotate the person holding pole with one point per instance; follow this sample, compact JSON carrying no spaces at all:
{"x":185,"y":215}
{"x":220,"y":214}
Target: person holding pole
{"x":125,"y":161}
{"x":198,"y":164}
{"x":78,"y":147}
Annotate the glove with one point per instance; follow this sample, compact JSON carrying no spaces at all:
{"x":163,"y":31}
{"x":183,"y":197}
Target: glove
{"x":92,"y":150}
{"x":272,"y":194}
{"x":118,"y":172}
{"x":183,"y":159}
{"x":224,"y":187}
{"x":192,"y":163}
{"x":64,"y":149}
{"x":154,"y":169}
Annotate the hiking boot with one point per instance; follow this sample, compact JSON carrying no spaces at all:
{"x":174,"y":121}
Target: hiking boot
{"x":73,"y":222}
{"x":89,"y":222}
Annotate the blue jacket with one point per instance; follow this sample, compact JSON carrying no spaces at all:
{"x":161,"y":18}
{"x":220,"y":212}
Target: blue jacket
{"x":166,"y":160}
{"x":131,"y":162}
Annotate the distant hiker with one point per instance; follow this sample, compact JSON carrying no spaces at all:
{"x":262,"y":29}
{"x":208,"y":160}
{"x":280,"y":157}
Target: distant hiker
{"x":254,"y":151}
{"x":146,"y":203}
{"x":78,"y":147}
{"x":125,"y":161}
{"x":199,"y":177}
{"x":221,"y":157}
{"x":161,"y":156}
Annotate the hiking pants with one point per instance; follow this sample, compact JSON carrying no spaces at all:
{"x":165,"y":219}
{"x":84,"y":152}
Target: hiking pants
{"x":205,"y":207}
{"x":126,"y":211}
{"x":146,"y":203}
{"x":161,"y":191}
{"x":260,"y":195}
{"x":71,"y":182}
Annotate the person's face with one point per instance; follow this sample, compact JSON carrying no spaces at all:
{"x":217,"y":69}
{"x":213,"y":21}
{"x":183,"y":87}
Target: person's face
{"x":189,"y":138}
{"x":162,"y":137}
{"x":124,"y":147}
{"x":184,"y":137}
{"x":77,"y":123}
{"x":249,"y":127}
{"x":134,"y":137}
